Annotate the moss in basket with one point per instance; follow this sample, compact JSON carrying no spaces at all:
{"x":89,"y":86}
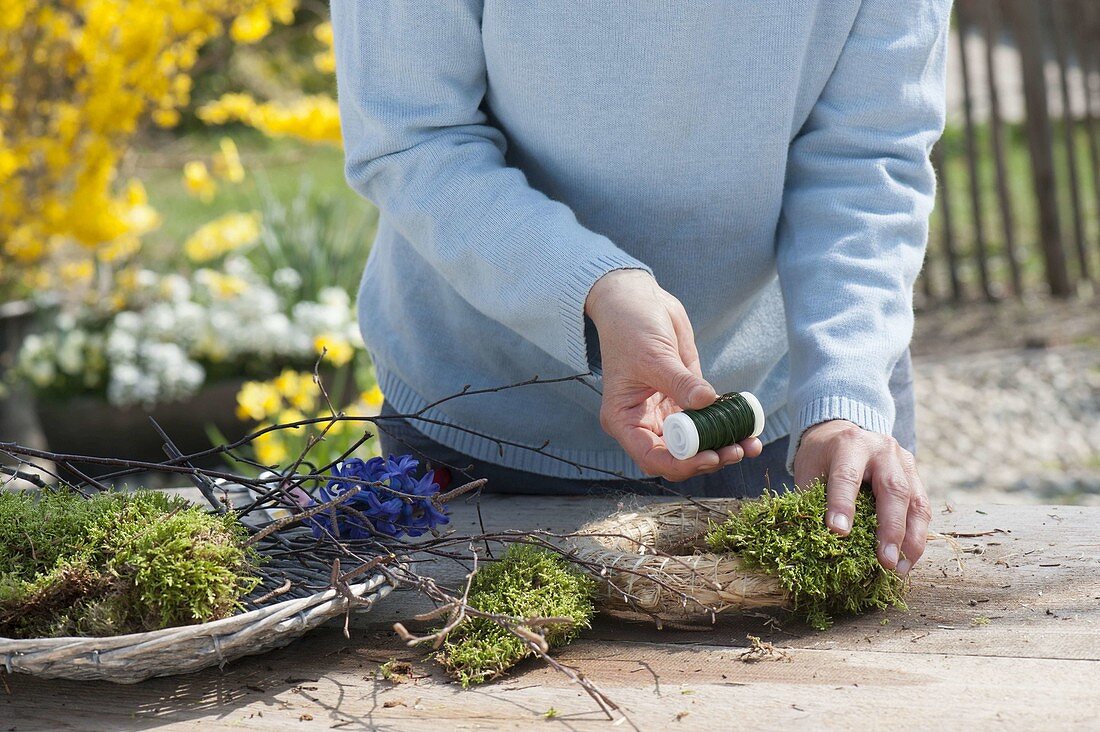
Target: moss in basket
{"x":784,"y":535}
{"x":115,"y":563}
{"x":527,"y":582}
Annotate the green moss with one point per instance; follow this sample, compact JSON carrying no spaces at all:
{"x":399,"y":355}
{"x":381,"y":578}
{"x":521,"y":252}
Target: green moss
{"x":526,"y":582}
{"x":115,"y":563}
{"x":784,"y":535}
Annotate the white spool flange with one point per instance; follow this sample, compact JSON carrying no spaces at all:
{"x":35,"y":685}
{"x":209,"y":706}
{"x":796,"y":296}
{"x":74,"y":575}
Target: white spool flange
{"x":682,"y":437}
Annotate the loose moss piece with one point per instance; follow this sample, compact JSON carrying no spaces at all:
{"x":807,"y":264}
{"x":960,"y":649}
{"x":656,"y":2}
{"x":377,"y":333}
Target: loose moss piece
{"x":115,"y":563}
{"x":785,"y":535}
{"x":527,"y":582}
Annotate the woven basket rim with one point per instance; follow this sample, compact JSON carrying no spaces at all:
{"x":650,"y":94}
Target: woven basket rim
{"x":15,"y":645}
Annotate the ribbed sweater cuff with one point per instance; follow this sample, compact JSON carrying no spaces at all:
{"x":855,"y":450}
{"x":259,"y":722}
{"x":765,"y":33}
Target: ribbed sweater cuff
{"x":573,"y":295}
{"x":827,"y":408}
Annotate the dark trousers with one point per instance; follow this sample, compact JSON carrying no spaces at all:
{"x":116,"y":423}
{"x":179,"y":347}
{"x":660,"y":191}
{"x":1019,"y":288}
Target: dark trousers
{"x":743,"y":480}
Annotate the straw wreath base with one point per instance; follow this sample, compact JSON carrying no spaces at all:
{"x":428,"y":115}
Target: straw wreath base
{"x":131,"y":658}
{"x":657,"y":566}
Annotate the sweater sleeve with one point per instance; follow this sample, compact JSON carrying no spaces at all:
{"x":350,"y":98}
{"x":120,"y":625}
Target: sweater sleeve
{"x":854,"y":221}
{"x":411,"y":81}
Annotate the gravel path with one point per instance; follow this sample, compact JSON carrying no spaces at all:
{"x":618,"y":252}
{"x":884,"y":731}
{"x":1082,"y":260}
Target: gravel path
{"x":1015,"y":426}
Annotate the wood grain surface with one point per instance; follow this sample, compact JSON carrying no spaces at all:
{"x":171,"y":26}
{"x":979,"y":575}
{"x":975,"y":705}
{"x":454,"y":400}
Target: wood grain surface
{"x":1003,"y":631}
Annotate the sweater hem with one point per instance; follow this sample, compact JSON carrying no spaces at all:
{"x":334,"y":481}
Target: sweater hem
{"x":598,"y":464}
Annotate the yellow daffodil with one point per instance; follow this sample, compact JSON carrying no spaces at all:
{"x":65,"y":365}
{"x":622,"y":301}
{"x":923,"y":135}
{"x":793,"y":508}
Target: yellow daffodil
{"x":257,"y":400}
{"x":372,"y":397}
{"x":197,"y":180}
{"x":271,"y":448}
{"x":336,"y":349}
{"x":223,"y":235}
{"x":298,"y":389}
{"x":227,"y":163}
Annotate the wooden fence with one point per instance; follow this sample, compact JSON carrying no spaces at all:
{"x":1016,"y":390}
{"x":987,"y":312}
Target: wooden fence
{"x":1018,"y":208}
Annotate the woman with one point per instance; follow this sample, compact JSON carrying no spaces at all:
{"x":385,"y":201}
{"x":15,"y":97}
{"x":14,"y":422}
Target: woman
{"x":653,"y":192}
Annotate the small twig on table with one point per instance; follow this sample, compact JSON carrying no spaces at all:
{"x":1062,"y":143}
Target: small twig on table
{"x":283,"y":589}
{"x":975,"y":534}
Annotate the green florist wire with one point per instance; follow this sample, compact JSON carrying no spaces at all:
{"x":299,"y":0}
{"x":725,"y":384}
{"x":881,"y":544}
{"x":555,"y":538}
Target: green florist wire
{"x":733,"y":417}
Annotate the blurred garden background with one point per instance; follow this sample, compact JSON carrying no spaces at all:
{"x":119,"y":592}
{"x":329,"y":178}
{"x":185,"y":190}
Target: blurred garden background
{"x":177,"y":240}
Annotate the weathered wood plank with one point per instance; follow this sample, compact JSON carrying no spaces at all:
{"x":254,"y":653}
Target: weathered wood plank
{"x":1007,"y":582}
{"x":315,"y":685}
{"x":1034,"y":661}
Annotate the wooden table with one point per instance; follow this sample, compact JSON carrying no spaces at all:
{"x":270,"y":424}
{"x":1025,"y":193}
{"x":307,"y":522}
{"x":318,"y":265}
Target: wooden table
{"x":1005,"y":634}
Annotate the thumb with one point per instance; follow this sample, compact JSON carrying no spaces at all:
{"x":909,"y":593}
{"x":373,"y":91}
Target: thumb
{"x":672,"y":378}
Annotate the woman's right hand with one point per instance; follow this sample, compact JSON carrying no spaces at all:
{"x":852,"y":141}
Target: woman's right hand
{"x":650,"y":370}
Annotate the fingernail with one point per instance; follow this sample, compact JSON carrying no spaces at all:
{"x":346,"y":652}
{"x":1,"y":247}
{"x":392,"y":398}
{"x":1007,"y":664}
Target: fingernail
{"x":890,"y":551}
{"x":698,"y":394}
{"x":904,"y":567}
{"x":840,"y":522}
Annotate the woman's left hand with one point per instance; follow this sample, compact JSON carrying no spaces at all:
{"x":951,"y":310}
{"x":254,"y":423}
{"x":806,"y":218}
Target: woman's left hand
{"x":846,"y":457}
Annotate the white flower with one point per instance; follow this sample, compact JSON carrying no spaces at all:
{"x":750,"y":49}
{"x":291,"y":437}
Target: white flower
{"x":65,"y":321}
{"x":121,"y":345}
{"x":160,"y":320}
{"x":33,"y":347}
{"x":70,"y":355}
{"x":190,"y":322}
{"x":287,"y":278}
{"x":334,"y":297}
{"x":146,"y":278}
{"x":41,"y":373}
{"x":127,"y":320}
{"x":239,"y":267}
{"x":176,"y":288}
{"x":122,"y":388}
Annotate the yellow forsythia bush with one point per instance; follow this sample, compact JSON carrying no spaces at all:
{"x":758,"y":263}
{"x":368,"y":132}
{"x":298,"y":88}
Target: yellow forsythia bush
{"x":78,"y":78}
{"x":314,"y":118}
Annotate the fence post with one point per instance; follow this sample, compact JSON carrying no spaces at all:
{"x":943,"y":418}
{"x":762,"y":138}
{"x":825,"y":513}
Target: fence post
{"x":991,"y":21}
{"x":1059,"y":33}
{"x":962,"y":25}
{"x":1086,"y":40}
{"x":1025,"y":19}
{"x":948,"y":224}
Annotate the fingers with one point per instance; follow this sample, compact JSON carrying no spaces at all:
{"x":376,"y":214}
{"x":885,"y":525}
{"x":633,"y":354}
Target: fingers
{"x":846,"y":469}
{"x":752,"y":447}
{"x":846,"y":456}
{"x":649,"y":452}
{"x":690,"y":391}
{"x":892,"y":493}
{"x":732,"y":454}
{"x":918,"y":518}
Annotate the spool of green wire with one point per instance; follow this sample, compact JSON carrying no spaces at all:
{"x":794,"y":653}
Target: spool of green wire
{"x":732,"y":418}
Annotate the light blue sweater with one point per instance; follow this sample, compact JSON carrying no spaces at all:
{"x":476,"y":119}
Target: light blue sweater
{"x":766,"y":160}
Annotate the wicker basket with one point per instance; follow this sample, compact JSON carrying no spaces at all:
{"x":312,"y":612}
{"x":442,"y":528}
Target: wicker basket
{"x":128,"y":659}
{"x":657,"y":567}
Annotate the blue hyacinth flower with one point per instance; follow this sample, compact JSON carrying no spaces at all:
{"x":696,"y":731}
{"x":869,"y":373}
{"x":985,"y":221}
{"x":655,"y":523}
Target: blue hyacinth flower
{"x":390,"y":499}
